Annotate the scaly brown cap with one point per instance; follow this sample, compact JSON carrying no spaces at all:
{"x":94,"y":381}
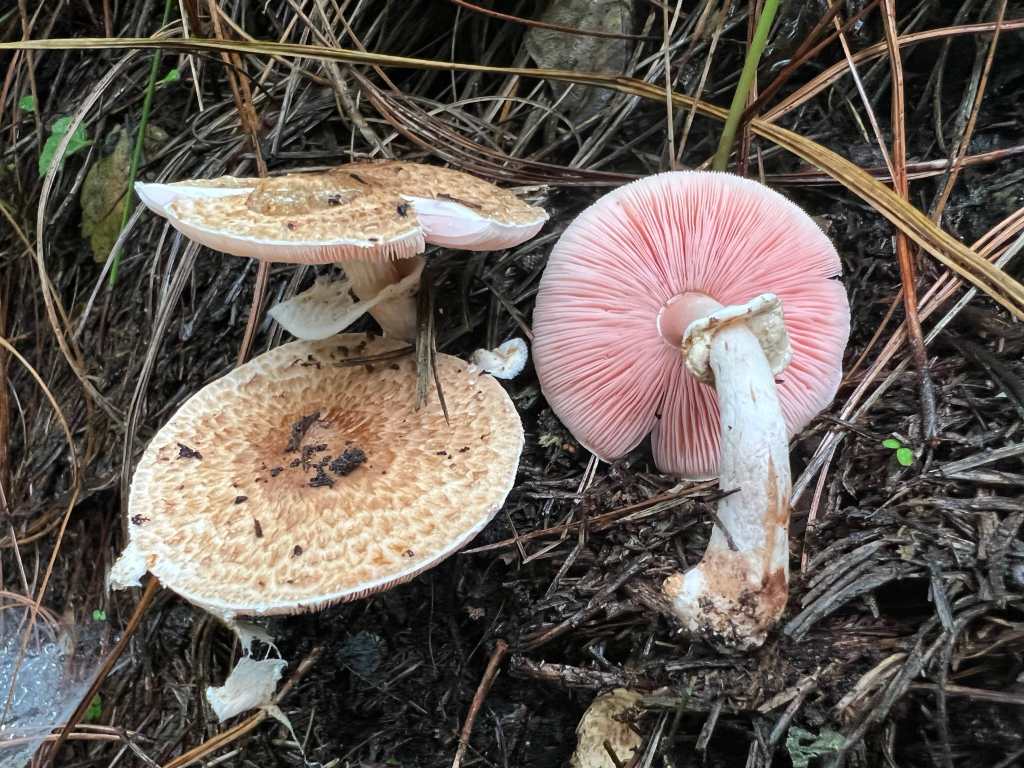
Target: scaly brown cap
{"x":296,"y":218}
{"x":307,"y":477}
{"x":456,"y":209}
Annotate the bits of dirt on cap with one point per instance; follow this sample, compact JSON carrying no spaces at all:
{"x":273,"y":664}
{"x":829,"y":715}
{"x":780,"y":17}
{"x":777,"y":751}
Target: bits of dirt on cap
{"x":463,"y":449}
{"x":348,"y":462}
{"x":299,"y":429}
{"x":275,"y":471}
{"x":184,"y":452}
{"x":403,"y":210}
{"x":241,"y":499}
{"x":357,"y":177}
{"x":440,"y":453}
{"x":369,"y":368}
{"x":343,"y":350}
{"x":139,"y":519}
{"x":309,"y":450}
{"x":395,"y":367}
{"x":296,"y":551}
{"x":257,"y":528}
{"x":320,"y":479}
{"x":409,"y":553}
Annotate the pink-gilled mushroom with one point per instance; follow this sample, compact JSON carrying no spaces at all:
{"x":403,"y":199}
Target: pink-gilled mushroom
{"x":669,"y":307}
{"x":372,"y":218}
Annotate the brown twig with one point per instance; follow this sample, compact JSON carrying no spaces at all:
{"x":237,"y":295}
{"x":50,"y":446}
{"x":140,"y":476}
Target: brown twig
{"x":490,"y":673}
{"x":148,"y":594}
{"x":957,"y":160}
{"x":908,"y":280}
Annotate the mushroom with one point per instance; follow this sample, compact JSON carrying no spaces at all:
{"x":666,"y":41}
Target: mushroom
{"x":372,"y":218}
{"x":307,"y":477}
{"x":309,"y":219}
{"x":669,"y":307}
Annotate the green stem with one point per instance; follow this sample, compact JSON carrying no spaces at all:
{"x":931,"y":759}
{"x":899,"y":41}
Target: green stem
{"x":140,"y":140}
{"x":739,"y":99}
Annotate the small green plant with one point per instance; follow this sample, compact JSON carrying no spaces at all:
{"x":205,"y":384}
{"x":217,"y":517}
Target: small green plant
{"x":904,"y":455}
{"x":803,"y":745}
{"x":27,"y":103}
{"x":79,"y":140}
{"x":171,"y":77}
{"x":99,"y":615}
{"x":95,"y":710}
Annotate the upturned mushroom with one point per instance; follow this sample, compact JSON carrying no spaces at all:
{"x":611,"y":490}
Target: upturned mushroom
{"x":307,"y":477}
{"x":374,"y":219}
{"x":669,"y":307}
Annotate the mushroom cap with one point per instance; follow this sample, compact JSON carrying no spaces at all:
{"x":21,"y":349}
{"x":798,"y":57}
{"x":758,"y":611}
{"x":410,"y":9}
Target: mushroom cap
{"x":604,"y":365}
{"x":296,"y":218}
{"x":307,"y":477}
{"x":456,"y":209}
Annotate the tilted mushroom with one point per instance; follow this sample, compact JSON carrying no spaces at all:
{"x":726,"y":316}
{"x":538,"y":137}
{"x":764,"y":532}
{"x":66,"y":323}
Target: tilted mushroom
{"x":668,"y":307}
{"x":372,"y":218}
{"x":309,"y":219}
{"x":307,"y":477}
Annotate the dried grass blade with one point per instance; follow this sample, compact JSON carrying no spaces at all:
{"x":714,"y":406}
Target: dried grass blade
{"x":916,"y":225}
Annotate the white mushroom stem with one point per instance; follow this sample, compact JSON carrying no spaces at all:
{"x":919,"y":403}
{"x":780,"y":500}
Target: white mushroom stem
{"x":328,"y":308}
{"x":396,"y":316}
{"x":739,"y":589}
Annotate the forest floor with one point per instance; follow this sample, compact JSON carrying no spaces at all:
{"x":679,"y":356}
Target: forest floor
{"x":903,"y":643}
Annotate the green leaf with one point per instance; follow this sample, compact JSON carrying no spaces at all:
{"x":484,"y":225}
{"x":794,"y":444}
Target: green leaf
{"x":171,"y":77}
{"x":99,"y":615}
{"x":905,"y":456}
{"x":79,"y":140}
{"x":892,"y":442}
{"x":27,"y":103}
{"x":95,"y":710}
{"x":803,"y":745}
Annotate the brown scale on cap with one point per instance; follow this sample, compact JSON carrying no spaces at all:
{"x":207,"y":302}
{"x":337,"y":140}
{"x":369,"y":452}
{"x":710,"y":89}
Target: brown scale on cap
{"x":390,"y":492}
{"x":431,"y":181}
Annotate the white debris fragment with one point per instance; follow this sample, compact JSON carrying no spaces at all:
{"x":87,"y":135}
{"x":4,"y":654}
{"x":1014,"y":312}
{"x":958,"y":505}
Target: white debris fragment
{"x":602,"y":722}
{"x":250,"y":685}
{"x":328,"y":307}
{"x":504,"y":362}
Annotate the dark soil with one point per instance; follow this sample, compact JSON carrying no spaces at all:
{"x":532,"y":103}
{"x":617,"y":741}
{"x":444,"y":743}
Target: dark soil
{"x":905,"y":632}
